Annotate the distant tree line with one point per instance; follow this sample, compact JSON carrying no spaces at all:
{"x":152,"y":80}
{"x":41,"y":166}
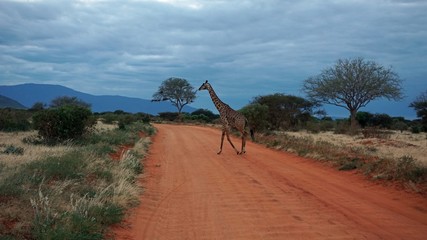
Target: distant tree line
{"x":350,"y":83}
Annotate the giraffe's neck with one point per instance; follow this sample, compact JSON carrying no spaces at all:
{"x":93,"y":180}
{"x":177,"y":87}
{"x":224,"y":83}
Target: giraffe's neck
{"x":215,"y":99}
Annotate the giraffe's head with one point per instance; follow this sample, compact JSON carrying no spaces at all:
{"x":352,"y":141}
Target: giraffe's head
{"x":204,"y":86}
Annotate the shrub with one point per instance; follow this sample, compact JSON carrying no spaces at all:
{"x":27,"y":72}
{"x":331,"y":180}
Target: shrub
{"x":342,"y":127}
{"x":416,"y":129}
{"x":408,"y":168}
{"x":399,"y":125}
{"x":326,"y":125}
{"x":14,"y":120}
{"x":64,"y":123}
{"x":313,"y":127}
{"x":197,"y":118}
{"x":168,"y":116}
{"x":125,"y":120}
{"x":405,"y":168}
{"x":107,"y":117}
{"x":373,"y":132}
{"x":204,"y":115}
{"x":13,"y":150}
{"x":350,"y":164}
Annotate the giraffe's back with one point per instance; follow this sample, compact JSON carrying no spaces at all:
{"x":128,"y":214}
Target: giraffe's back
{"x":235,"y":119}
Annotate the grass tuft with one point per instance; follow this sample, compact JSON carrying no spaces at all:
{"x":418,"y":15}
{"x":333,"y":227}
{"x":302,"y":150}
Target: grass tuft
{"x":68,"y":166}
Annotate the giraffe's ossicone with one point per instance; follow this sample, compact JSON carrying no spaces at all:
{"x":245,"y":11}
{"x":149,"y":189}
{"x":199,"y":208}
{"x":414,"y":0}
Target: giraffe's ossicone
{"x":229,"y":119}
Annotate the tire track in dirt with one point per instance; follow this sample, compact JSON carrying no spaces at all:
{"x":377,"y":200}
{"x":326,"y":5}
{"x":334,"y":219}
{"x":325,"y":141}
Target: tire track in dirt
{"x":193,"y":193}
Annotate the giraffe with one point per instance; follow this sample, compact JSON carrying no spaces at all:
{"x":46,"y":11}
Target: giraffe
{"x":229,"y":119}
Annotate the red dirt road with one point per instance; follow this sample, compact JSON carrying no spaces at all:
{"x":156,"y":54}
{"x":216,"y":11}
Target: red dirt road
{"x":193,"y":193}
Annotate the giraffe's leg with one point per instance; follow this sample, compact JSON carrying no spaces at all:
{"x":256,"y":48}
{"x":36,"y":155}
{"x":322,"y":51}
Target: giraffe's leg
{"x":244,"y":134}
{"x":229,"y":140}
{"x":222,"y":141}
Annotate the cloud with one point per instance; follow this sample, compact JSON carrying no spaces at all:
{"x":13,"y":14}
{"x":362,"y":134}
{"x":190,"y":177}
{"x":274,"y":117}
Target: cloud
{"x":247,"y":47}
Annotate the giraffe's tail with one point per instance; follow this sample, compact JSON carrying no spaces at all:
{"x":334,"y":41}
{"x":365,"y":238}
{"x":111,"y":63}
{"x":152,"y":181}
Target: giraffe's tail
{"x":251,"y":129}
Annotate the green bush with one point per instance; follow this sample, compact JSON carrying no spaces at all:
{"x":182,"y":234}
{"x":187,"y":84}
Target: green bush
{"x":64,"y":123}
{"x":168,"y":116}
{"x":14,"y":120}
{"x":197,"y":118}
{"x":399,"y":125}
{"x":416,"y":129}
{"x":204,"y":115}
{"x":126,"y":120}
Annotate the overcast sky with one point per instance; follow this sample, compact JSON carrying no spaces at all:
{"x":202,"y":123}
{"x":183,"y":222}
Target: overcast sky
{"x":244,"y":48}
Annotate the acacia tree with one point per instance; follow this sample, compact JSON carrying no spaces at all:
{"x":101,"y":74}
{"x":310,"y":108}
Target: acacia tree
{"x":420,"y":106}
{"x":68,"y":101}
{"x":285,"y":110}
{"x":176,"y":90}
{"x":352,"y":84}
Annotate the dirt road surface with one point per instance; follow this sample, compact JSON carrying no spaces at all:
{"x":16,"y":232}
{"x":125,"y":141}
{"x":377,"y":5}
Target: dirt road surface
{"x":193,"y":193}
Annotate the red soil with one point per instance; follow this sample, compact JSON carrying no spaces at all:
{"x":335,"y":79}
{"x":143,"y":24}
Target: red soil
{"x":117,"y":155}
{"x":122,"y":149}
{"x":193,"y":193}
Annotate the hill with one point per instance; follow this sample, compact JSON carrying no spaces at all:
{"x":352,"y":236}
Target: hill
{"x":6,"y":102}
{"x":30,"y":93}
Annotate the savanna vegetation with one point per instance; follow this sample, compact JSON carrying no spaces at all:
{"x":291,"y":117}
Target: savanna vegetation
{"x":64,"y":174}
{"x":376,"y":144}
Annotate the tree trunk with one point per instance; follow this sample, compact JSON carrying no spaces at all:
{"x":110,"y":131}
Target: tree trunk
{"x":353,"y":121}
{"x":180,"y":119}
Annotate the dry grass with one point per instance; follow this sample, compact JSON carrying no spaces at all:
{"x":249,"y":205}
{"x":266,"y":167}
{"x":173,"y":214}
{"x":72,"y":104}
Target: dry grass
{"x":100,"y":126}
{"x":34,"y":152}
{"x":396,"y":146}
{"x":41,"y":200}
{"x":30,"y":152}
{"x":397,"y":157}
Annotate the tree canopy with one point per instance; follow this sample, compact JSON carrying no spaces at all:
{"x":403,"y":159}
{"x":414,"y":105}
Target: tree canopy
{"x":68,"y":101}
{"x":352,"y":84}
{"x":285,"y":111}
{"x":176,"y":90}
{"x":420,"y":106}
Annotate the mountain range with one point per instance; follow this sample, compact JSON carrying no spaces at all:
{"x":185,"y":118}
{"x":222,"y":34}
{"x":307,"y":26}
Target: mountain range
{"x":28,"y":94}
{"x":6,"y":102}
